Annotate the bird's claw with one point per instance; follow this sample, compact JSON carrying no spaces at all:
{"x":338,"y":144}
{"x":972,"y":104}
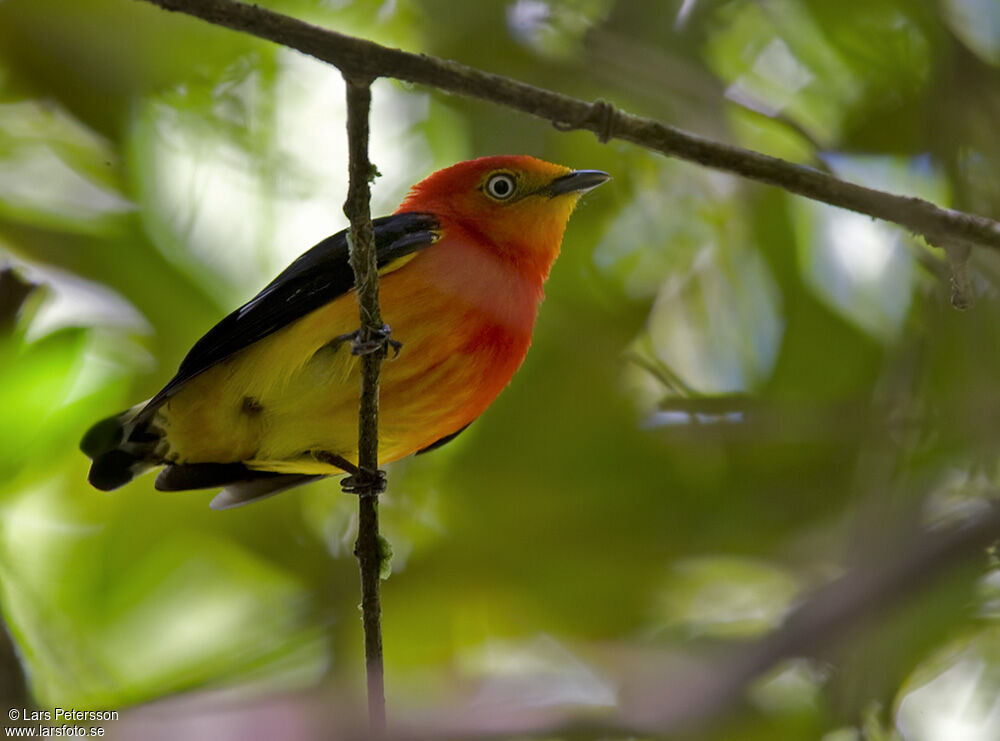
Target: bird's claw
{"x":376,"y":340}
{"x":368,"y":341}
{"x":364,"y":483}
{"x":361,"y":481}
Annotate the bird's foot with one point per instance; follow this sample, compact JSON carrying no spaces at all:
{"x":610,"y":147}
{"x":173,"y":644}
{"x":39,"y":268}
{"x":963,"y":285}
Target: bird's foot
{"x":366,"y":341}
{"x":361,"y":481}
{"x":364,"y":483}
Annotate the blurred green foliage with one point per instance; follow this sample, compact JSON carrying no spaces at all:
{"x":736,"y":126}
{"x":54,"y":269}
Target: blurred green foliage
{"x":732,"y":393}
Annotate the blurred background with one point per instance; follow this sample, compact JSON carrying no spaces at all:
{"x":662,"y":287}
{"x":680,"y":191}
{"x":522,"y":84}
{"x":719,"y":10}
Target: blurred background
{"x":733,"y":396}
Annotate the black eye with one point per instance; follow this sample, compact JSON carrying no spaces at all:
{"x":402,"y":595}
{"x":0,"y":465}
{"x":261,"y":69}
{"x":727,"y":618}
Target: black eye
{"x":500,"y":186}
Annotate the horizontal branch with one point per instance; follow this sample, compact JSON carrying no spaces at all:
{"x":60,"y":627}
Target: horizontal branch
{"x":354,"y":56}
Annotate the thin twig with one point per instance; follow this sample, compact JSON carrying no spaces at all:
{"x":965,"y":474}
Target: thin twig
{"x":365,"y":266}
{"x":355,"y":56}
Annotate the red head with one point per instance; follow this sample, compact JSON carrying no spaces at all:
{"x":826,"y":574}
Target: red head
{"x":516,"y":204}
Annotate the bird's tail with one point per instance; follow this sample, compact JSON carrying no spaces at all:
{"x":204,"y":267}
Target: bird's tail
{"x":119,"y":452}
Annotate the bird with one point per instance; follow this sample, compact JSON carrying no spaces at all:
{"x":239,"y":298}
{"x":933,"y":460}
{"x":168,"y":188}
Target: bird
{"x":267,"y":399}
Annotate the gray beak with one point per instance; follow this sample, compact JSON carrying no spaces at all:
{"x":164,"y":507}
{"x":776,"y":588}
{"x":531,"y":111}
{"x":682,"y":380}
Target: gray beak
{"x":578,"y":181}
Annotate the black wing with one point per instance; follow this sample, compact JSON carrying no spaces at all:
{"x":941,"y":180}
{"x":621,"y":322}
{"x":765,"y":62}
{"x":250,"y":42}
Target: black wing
{"x":317,"y":277}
